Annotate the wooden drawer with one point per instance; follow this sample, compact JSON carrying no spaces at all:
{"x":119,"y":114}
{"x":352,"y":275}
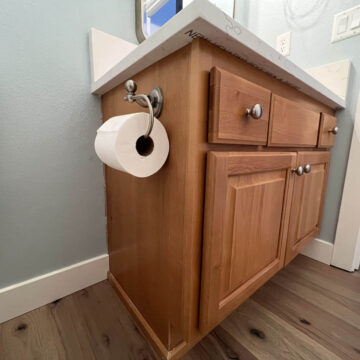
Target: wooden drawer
{"x":328,"y":130}
{"x":291,"y":124}
{"x":230,"y":97}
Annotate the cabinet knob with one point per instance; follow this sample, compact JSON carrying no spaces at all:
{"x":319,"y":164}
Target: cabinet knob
{"x":298,"y":171}
{"x":307,"y":168}
{"x":334,"y":130}
{"x":131,"y":86}
{"x":255,"y":112}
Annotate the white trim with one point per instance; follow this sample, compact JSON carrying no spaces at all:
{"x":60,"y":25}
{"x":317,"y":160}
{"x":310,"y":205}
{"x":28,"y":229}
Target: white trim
{"x":152,"y":6}
{"x":319,"y":250}
{"x":347,"y":240}
{"x":28,"y":295}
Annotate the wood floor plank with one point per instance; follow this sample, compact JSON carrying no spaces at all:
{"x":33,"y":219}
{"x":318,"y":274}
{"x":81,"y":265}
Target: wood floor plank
{"x":343,"y":307}
{"x":219,"y":345}
{"x":72,"y":329}
{"x":336,"y":335}
{"x":339,"y":282}
{"x":309,"y":311}
{"x":269,"y":337}
{"x":109,"y":325}
{"x":31,"y":336}
{"x":348,"y":280}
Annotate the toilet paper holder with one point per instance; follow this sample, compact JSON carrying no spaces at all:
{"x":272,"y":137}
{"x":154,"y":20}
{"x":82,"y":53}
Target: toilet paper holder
{"x":153,"y":101}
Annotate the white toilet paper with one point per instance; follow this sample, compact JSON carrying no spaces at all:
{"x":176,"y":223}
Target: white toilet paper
{"x":120,"y":144}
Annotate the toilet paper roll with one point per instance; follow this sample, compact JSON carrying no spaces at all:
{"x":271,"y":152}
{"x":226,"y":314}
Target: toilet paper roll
{"x":120,"y":144}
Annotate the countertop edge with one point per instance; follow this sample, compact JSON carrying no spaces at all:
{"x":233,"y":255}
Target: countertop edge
{"x":223,"y":31}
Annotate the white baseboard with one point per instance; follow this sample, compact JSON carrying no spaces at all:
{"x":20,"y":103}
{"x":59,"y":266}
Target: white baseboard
{"x":28,"y":295}
{"x":319,"y":250}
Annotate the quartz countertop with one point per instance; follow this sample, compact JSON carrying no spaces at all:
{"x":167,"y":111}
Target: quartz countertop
{"x":203,"y":19}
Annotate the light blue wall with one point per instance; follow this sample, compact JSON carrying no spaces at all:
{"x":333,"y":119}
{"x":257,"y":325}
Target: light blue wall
{"x":310,"y":22}
{"x":51,"y":183}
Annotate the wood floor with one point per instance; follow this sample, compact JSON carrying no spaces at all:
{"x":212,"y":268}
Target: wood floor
{"x":307,"y":311}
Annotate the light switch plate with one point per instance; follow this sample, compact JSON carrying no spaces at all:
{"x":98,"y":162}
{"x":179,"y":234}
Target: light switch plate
{"x":346,"y":24}
{"x":355,"y":21}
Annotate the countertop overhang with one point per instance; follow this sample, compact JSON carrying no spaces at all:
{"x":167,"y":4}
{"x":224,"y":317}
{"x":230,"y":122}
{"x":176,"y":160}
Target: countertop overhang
{"x":203,"y":19}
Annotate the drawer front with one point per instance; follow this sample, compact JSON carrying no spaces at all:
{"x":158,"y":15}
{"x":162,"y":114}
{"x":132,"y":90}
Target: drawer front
{"x":230,"y":97}
{"x":291,"y":124}
{"x":328,"y":130}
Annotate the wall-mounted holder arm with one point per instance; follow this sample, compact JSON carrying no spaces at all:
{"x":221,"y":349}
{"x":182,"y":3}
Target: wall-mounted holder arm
{"x":153,"y":101}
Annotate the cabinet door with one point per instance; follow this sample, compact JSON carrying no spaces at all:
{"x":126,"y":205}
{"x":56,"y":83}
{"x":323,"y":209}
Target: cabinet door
{"x":246,"y":221}
{"x":308,"y":201}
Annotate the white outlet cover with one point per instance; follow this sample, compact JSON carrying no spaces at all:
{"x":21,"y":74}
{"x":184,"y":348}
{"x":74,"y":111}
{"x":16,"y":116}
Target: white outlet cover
{"x":283,"y":42}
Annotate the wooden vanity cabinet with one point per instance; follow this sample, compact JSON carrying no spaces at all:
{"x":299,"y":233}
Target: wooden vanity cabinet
{"x":190,"y":243}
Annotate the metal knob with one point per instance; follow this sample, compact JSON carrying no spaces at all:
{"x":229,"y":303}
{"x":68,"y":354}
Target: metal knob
{"x":130,"y":87}
{"x":307,"y":168}
{"x":298,"y":171}
{"x":334,"y":130}
{"x":255,"y":112}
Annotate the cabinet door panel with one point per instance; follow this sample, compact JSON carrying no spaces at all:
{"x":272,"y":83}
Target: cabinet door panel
{"x":247,"y":196}
{"x":246,"y":215}
{"x":307,"y":203}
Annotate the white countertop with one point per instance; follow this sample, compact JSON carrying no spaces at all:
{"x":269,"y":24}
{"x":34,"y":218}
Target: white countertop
{"x":203,"y":19}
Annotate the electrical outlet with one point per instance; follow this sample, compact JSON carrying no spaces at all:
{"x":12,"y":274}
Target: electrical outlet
{"x":283,"y":43}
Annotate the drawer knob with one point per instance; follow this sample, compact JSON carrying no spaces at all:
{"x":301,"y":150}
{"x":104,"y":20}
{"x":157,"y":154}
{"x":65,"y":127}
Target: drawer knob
{"x":255,"y":112}
{"x":307,"y":168}
{"x":334,"y":130}
{"x":298,"y":171}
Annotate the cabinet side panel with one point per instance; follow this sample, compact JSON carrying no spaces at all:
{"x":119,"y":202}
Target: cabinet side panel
{"x":146,"y":216}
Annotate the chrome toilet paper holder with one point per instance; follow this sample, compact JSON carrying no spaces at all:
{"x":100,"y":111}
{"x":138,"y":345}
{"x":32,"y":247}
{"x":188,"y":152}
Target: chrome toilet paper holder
{"x":153,"y":101}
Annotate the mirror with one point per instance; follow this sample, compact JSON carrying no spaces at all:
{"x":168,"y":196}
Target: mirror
{"x":152,"y":14}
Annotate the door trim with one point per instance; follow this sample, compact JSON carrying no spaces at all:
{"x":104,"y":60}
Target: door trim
{"x":346,"y":254}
